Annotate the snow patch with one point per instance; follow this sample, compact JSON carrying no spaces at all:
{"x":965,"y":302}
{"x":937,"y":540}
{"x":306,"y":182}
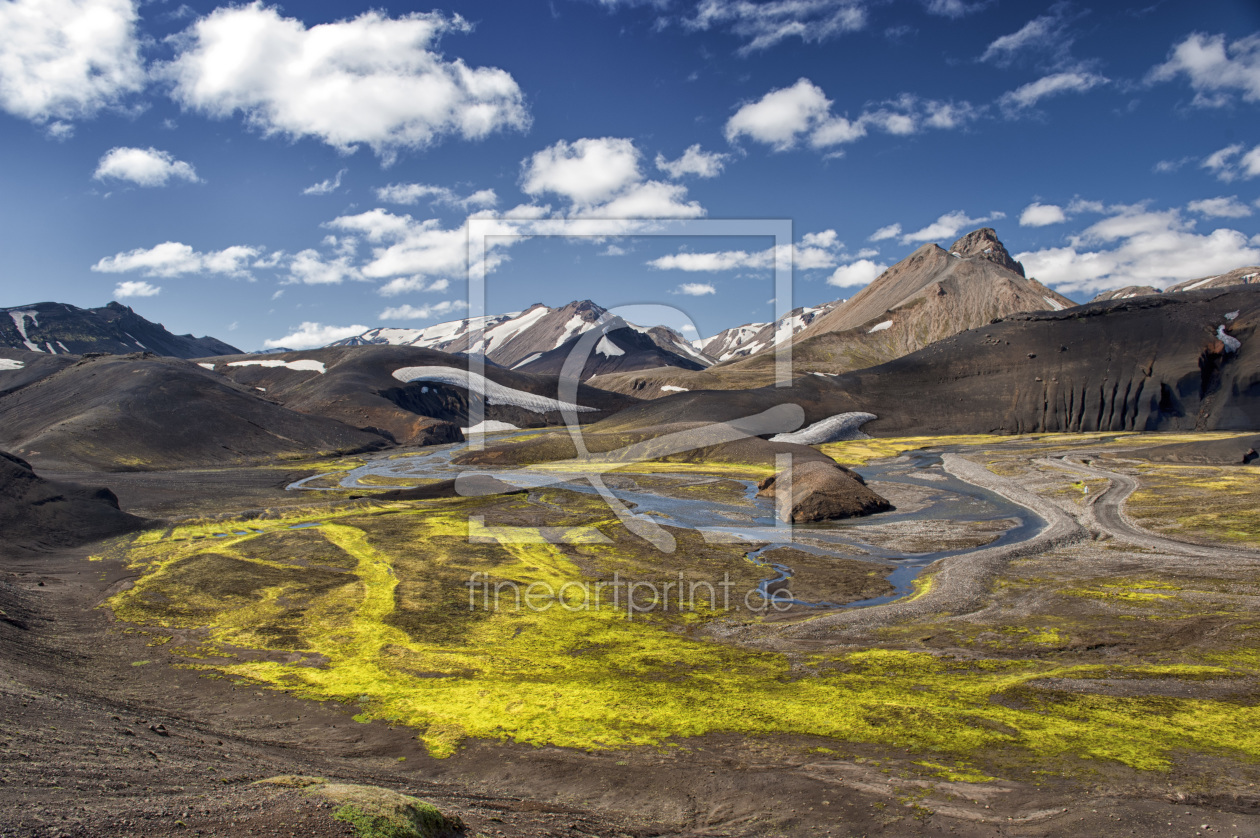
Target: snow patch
{"x":19,"y":320}
{"x":608,"y":349}
{"x":670,"y":388}
{"x":573,"y":327}
{"x":493,"y":392}
{"x":1055,"y":305}
{"x":879,"y":327}
{"x":489,"y":426}
{"x":838,"y":428}
{"x":1232,"y":316}
{"x":207,"y":367}
{"x":1232,"y":343}
{"x":298,"y":366}
{"x":8,"y":364}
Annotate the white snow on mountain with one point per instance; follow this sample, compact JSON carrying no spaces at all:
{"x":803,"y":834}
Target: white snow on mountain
{"x":492,"y":392}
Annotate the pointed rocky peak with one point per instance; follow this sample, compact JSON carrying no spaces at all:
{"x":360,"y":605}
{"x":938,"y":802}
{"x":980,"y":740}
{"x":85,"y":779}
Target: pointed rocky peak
{"x":985,"y":244}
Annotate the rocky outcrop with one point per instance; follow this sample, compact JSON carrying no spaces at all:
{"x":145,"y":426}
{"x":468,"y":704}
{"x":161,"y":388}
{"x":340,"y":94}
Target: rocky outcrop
{"x":984,"y":244}
{"x":823,"y":492}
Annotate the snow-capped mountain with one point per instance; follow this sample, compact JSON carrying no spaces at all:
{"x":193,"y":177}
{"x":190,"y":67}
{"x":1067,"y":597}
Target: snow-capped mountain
{"x":61,"y":329}
{"x":752,"y":338}
{"x":518,"y":339}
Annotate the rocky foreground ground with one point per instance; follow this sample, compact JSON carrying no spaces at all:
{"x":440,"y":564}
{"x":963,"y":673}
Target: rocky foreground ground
{"x":1132,"y":598}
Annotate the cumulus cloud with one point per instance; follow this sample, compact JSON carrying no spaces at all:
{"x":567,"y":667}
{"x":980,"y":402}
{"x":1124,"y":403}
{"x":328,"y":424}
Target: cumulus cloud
{"x":170,"y":259}
{"x":1137,"y":246}
{"x":143,"y":167}
{"x":424,"y":312}
{"x":372,"y":80}
{"x":693,"y":162}
{"x":602,"y":178}
{"x":67,"y":59}
{"x":1041,"y":215}
{"x":325,"y":187}
{"x":410,"y":284}
{"x":1216,"y":70}
{"x":310,"y":267}
{"x":948,"y":226}
{"x":313,"y":335}
{"x":1222,"y":207}
{"x":889,"y":232}
{"x":762,"y":25}
{"x":1027,"y":95}
{"x":135,"y":288}
{"x":783,"y":117}
{"x":412,"y":193}
{"x":695,"y":289}
{"x":815,"y":251}
{"x":861,"y":272}
{"x":1232,"y":163}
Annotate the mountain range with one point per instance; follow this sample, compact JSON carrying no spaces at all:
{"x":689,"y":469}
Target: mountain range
{"x":58,"y":328}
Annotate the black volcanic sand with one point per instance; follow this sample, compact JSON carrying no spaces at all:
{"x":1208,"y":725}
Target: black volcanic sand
{"x":101,"y":735}
{"x":36,"y":513}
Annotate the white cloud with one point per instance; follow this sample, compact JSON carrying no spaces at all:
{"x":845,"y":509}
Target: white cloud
{"x":67,"y":59}
{"x":816,"y":251}
{"x":1047,"y":33}
{"x":948,"y":226}
{"x":586,"y":171}
{"x":175,"y":259}
{"x":326,"y":187}
{"x":1222,"y":207}
{"x":889,"y":232}
{"x":1136,"y":246}
{"x":695,"y":289}
{"x":372,"y":80}
{"x":410,"y":284}
{"x":650,"y":199}
{"x":762,"y":25}
{"x":312,"y":335}
{"x":861,"y":272}
{"x":1025,"y":96}
{"x":782,"y":117}
{"x":1042,"y":215}
{"x":867,"y":252}
{"x":143,"y":167}
{"x":1214,"y":69}
{"x":1231,"y":163}
{"x":693,"y":162}
{"x":310,"y":267}
{"x":412,"y":193}
{"x":135,"y":288}
{"x":424,"y":312}
{"x":953,"y":8}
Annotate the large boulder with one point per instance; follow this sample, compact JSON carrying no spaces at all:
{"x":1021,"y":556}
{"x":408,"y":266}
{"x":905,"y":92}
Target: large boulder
{"x":822,"y":492}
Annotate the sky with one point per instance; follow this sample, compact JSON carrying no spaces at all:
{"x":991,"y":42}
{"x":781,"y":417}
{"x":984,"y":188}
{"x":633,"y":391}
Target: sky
{"x":289,"y":175}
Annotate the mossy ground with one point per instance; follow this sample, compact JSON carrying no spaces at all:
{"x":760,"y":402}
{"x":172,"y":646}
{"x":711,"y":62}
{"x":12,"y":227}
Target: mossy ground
{"x":371,"y":608}
{"x":1212,"y":503}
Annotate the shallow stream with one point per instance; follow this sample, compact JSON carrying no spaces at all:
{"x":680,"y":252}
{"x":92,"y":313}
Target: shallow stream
{"x":937,"y":496}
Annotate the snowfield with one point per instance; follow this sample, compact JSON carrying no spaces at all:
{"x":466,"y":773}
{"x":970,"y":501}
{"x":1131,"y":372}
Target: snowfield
{"x":1232,"y":344}
{"x":7,"y":364}
{"x":299,"y":366}
{"x":492,"y":392}
{"x":489,"y":426}
{"x":838,"y":428}
{"x":670,"y":388}
{"x":608,"y":349}
{"x":879,"y":327}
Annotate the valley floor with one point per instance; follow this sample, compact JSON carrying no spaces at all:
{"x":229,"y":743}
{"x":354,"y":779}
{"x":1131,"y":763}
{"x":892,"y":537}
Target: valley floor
{"x":1099,"y":681}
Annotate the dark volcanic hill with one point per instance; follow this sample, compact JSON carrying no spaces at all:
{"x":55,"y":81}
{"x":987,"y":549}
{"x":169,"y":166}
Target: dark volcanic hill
{"x":1158,"y":363}
{"x":57,"y":328}
{"x":140,"y":411}
{"x":43,"y":514}
{"x":356,"y":385}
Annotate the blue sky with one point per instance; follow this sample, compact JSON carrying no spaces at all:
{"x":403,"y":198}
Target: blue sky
{"x":285,"y":175}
